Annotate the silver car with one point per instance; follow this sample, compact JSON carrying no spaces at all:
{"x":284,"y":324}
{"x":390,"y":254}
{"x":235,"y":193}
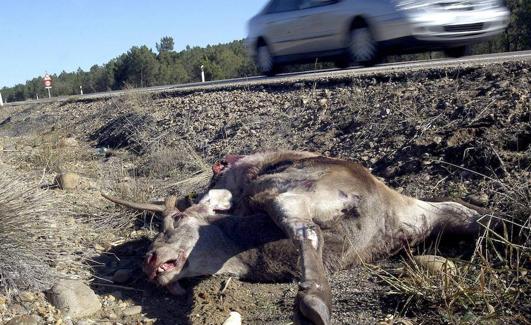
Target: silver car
{"x":361,"y":32}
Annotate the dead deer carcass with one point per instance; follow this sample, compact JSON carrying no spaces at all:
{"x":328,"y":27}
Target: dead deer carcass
{"x":268,"y":212}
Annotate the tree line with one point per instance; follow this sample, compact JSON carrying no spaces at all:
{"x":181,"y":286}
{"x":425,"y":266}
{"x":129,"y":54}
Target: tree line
{"x":144,"y":67}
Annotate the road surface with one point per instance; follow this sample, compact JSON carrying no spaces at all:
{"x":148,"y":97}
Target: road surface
{"x":307,"y":76}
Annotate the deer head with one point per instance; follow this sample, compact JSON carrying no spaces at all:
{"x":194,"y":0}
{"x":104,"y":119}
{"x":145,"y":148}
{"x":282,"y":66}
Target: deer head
{"x":187,"y":240}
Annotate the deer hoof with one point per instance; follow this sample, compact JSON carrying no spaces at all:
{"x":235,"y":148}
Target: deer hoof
{"x":312,"y":305}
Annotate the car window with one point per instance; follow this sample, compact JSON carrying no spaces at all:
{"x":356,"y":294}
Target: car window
{"x":284,"y":5}
{"x":316,"y":3}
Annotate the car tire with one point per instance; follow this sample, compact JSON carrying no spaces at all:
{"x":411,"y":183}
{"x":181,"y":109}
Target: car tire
{"x":362,"y":47}
{"x":265,"y":60}
{"x":456,"y":52}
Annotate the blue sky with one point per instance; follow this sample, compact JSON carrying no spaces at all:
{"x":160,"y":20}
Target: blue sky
{"x":61,"y":35}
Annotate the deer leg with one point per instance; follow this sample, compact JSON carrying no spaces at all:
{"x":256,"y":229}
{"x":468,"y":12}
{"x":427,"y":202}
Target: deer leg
{"x":456,"y":219}
{"x":290,"y":212}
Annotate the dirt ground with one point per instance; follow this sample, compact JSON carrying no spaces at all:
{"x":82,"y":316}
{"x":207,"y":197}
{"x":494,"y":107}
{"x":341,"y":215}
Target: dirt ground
{"x":460,"y":132}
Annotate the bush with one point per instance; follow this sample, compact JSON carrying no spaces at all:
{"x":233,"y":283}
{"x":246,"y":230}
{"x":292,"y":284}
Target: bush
{"x":30,"y":227}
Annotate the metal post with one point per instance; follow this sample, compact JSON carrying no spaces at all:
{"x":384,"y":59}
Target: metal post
{"x":1,"y":101}
{"x":202,"y":73}
{"x":49,"y":94}
{"x":81,"y":90}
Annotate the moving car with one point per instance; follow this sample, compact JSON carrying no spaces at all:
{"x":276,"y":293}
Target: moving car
{"x":362,"y":32}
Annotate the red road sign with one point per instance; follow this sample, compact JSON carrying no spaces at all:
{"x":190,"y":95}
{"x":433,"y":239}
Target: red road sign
{"x":47,"y":80}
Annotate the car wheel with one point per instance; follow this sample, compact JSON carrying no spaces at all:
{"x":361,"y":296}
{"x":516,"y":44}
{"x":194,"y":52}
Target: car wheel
{"x":362,"y":48}
{"x":265,"y":61}
{"x":456,"y":52}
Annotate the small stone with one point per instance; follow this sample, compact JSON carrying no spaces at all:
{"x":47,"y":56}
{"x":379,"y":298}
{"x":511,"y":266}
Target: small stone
{"x":67,"y":181}
{"x":86,"y":322}
{"x":436,"y":264}
{"x":68,"y":142}
{"x":41,"y":310}
{"x":74,"y":298}
{"x":481,"y":199}
{"x":26,"y":296}
{"x":24,"y":320}
{"x":112,"y":316}
{"x":234,"y":319}
{"x":133,"y":310}
{"x":99,"y":247}
{"x":122,"y":275}
{"x":3,"y":300}
{"x":149,"y":321}
{"x":323,"y":103}
{"x":18,"y":309}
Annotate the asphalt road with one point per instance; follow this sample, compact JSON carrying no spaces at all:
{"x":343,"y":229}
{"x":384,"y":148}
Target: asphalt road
{"x":307,"y":76}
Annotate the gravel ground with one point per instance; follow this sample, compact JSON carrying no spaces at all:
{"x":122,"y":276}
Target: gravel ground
{"x":427,"y":133}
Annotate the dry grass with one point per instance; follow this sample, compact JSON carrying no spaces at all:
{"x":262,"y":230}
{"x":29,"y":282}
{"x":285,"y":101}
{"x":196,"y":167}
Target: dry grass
{"x":489,"y":287}
{"x":50,"y":155}
{"x":32,"y":229}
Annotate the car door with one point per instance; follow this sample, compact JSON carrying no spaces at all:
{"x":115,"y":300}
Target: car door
{"x":281,"y":29}
{"x":320,"y":24}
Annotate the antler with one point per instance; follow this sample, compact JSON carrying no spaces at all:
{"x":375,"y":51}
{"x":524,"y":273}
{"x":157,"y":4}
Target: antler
{"x":168,"y":210}
{"x":135,"y":205}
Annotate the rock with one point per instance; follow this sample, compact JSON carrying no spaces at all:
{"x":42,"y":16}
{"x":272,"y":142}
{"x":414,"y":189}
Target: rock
{"x":323,"y":103}
{"x":436,"y":264}
{"x":481,"y":199}
{"x":3,"y":300}
{"x":67,"y":181}
{"x":122,"y":275}
{"x":99,"y":247}
{"x":24,"y":320}
{"x":133,"y":310}
{"x":86,"y":322}
{"x":68,"y":142}
{"x":74,"y":298}
{"x":149,"y":321}
{"x":234,"y":319}
{"x":18,"y":309}
{"x":437,"y":139}
{"x":26,"y":296}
